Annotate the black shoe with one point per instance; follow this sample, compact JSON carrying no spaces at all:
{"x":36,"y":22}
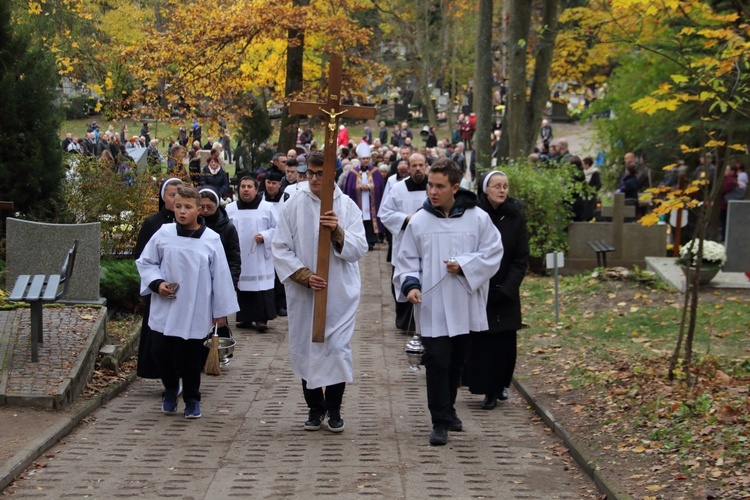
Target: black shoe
{"x":439,"y":435}
{"x":490,"y":402}
{"x":282,"y":311}
{"x":245,"y":325}
{"x":315,"y":420}
{"x":503,"y":394}
{"x":261,"y":326}
{"x":456,"y":425}
{"x":335,"y":422}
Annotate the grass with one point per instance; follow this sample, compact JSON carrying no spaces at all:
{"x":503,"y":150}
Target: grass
{"x":605,"y":367}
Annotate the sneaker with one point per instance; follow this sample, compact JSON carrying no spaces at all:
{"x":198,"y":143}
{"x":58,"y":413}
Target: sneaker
{"x":169,"y":403}
{"x":193,"y":409}
{"x":315,"y":420}
{"x":179,"y":388}
{"x":335,"y":422}
{"x":439,"y":435}
{"x":456,"y":425}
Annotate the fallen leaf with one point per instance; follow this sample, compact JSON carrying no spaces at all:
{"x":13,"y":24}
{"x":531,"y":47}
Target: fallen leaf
{"x":653,"y":487}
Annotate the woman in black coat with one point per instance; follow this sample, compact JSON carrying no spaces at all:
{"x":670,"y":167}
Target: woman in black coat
{"x":216,"y":218}
{"x":492,"y":354}
{"x":147,"y":367}
{"x":215,"y":176}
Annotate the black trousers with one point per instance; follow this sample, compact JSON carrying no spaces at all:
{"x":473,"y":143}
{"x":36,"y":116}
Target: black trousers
{"x":320,"y":400}
{"x":444,"y":362}
{"x":404,"y":320}
{"x":279,"y":294}
{"x":179,"y":358}
{"x":370,"y":234}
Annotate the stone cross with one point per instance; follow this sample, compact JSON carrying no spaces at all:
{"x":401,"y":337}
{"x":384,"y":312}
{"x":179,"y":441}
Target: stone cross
{"x":332,"y":109}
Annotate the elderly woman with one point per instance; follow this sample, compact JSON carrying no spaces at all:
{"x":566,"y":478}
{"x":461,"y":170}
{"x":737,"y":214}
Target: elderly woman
{"x":492,"y":354}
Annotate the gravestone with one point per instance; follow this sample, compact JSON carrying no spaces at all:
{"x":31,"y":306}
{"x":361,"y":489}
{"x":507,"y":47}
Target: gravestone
{"x":737,"y":241}
{"x":632,"y":241}
{"x":40,"y":248}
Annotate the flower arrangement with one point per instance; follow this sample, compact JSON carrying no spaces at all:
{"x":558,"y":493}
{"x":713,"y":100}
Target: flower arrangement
{"x":714,"y":254}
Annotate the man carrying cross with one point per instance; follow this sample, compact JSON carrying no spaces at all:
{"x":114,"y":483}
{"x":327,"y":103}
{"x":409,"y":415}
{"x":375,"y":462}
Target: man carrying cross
{"x":323,"y":367}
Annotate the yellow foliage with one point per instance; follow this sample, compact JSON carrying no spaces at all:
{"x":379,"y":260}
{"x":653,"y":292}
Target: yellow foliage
{"x":669,"y":167}
{"x":684,"y":128}
{"x":686,"y":149}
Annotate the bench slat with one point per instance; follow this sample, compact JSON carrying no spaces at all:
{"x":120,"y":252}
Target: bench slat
{"x":19,"y":290}
{"x":35,"y":289}
{"x":50,"y":292}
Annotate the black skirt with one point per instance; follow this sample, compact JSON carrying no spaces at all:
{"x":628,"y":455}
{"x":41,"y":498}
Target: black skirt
{"x":256,"y":306}
{"x":490,"y":362}
{"x":147,"y":366}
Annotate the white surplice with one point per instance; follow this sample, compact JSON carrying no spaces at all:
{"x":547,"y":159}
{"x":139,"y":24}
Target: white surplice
{"x":200,"y":267}
{"x":458,"y":305}
{"x":399,"y":204}
{"x":257,"y":262}
{"x":295,"y":245}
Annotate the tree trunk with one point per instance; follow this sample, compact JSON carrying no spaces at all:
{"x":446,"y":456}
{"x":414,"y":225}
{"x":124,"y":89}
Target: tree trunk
{"x":514,"y":123}
{"x":483,"y":86}
{"x":542,"y":66}
{"x":294,"y":54}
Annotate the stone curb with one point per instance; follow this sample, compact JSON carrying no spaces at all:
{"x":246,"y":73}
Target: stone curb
{"x":13,"y":467}
{"x":583,"y":457}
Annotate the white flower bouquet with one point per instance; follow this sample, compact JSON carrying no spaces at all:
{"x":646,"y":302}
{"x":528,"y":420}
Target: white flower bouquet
{"x":714,"y":254}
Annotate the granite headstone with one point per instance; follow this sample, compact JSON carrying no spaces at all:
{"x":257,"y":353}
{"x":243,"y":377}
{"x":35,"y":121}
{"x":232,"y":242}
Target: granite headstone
{"x":40,"y":248}
{"x":737,"y":241}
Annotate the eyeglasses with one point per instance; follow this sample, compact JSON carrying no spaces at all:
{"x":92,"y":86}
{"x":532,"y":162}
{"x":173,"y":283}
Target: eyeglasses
{"x":311,"y":173}
{"x":207,"y":208}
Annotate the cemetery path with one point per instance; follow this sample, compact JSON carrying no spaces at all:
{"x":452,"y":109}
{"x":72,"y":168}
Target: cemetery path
{"x":250,"y":441}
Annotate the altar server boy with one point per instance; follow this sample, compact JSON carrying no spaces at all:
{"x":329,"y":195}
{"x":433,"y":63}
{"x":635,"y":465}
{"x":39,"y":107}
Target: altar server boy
{"x":185,"y":270}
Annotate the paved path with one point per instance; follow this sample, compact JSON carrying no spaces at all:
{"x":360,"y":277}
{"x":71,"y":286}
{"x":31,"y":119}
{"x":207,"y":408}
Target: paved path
{"x":250,"y":442}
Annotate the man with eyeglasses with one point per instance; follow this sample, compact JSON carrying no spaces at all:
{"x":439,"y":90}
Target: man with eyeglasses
{"x":324,"y":368}
{"x":255,"y":220}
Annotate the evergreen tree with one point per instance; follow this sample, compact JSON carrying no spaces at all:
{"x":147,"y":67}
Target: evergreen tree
{"x":30,"y":153}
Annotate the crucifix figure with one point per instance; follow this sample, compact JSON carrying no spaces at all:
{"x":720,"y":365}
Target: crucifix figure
{"x":333,"y":109}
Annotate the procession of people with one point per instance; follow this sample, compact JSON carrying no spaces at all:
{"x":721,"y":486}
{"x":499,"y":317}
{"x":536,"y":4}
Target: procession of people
{"x":458,"y":260}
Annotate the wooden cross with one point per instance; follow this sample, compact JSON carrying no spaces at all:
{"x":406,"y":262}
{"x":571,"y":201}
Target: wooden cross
{"x":333,"y":110}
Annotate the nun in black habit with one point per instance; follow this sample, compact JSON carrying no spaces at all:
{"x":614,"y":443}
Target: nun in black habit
{"x":492,"y":354}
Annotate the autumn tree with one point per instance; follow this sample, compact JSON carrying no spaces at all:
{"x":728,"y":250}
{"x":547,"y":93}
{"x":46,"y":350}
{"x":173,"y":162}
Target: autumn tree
{"x":523,"y":113}
{"x":483,"y":84}
{"x":707,"y":43}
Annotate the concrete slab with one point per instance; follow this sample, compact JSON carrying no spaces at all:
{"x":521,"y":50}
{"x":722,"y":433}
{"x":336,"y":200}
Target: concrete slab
{"x":669,"y":272}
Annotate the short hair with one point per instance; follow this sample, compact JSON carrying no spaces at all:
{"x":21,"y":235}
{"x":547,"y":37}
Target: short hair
{"x":277,"y":156}
{"x":250,"y":178}
{"x":189,"y":192}
{"x":292,"y":163}
{"x":588,"y":161}
{"x":447,"y":167}
{"x":316,"y":159}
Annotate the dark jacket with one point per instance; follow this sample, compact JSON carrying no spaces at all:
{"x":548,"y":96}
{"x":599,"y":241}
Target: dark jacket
{"x":504,"y":300}
{"x":219,"y":182}
{"x":150,"y":226}
{"x":221,"y":223}
{"x":630,"y":187}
